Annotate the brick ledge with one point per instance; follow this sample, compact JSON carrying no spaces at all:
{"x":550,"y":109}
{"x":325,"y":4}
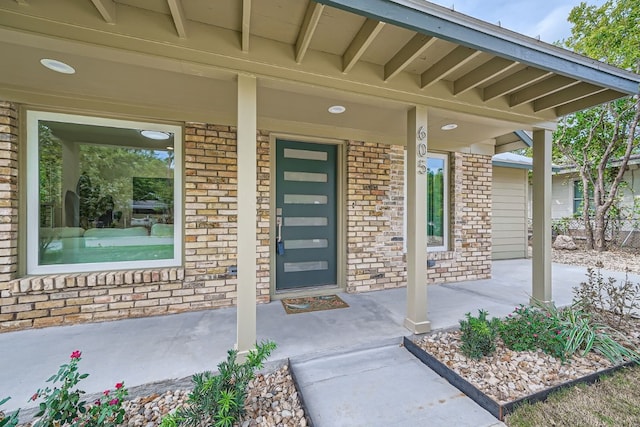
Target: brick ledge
{"x":54,"y":282}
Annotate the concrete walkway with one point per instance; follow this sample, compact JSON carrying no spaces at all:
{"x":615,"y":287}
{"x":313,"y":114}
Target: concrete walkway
{"x":141,"y":351}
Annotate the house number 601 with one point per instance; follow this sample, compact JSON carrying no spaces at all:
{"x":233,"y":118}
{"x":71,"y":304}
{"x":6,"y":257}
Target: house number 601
{"x":421,"y":151}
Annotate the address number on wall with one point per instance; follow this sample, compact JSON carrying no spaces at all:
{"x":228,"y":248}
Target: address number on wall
{"x":421,"y":151}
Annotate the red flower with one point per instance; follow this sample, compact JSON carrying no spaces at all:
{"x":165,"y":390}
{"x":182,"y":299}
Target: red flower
{"x":535,"y":335}
{"x":106,"y":392}
{"x":119,"y":386}
{"x":76,"y":354}
{"x":113,"y":402}
{"x":34,"y":397}
{"x":97,"y":402}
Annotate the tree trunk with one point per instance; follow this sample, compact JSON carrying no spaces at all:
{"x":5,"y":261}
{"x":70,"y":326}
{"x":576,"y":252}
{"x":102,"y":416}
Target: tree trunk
{"x":599,"y":242}
{"x":586,"y":207}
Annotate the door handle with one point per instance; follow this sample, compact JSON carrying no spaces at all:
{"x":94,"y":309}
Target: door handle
{"x":279,"y":224}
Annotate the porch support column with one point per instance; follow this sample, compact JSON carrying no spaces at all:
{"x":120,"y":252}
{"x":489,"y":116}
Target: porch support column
{"x":247,"y":214}
{"x":541,"y":276}
{"x":416,"y":320}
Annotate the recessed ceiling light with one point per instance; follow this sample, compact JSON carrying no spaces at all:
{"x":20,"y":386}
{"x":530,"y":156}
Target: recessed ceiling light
{"x":449,"y":126}
{"x":337,"y":109}
{"x":58,"y":66}
{"x":155,"y":134}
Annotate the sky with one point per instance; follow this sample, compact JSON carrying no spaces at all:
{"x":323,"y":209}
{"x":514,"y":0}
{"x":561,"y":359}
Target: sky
{"x":533,"y":18}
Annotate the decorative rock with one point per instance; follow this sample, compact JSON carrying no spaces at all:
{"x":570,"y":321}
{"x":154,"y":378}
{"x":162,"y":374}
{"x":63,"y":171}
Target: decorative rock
{"x":508,"y":375}
{"x":564,"y":242}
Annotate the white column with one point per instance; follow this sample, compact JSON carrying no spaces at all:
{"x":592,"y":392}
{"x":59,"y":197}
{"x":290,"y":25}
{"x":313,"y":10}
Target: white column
{"x":247,"y":213}
{"x":416,"y":320}
{"x":541,"y":276}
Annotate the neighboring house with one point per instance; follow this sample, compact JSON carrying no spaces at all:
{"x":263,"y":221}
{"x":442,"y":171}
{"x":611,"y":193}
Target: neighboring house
{"x":193,"y":155}
{"x":567,"y":203}
{"x":567,"y":190}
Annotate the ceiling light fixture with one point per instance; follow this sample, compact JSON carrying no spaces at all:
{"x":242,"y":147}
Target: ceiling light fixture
{"x":170,"y":148}
{"x":449,"y":126}
{"x":337,"y":109}
{"x":58,"y":66}
{"x":155,"y":134}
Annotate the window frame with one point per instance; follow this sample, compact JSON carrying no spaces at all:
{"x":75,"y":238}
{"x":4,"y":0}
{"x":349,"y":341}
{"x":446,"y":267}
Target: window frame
{"x":32,"y":199}
{"x":578,"y":196}
{"x":445,"y":200}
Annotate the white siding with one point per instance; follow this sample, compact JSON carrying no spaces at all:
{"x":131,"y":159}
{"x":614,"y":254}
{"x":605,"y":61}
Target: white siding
{"x":562,"y":191}
{"x":509,"y":214}
{"x":562,"y":195}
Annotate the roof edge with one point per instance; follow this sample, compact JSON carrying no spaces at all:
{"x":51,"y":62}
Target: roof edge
{"x":434,"y":20}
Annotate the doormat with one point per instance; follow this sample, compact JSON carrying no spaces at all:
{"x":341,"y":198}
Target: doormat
{"x":307,"y":304}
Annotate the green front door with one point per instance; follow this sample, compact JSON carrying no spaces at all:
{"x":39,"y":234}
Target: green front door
{"x":306,"y":217}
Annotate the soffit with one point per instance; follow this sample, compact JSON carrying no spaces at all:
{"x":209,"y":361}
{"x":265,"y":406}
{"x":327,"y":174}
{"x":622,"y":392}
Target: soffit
{"x":367,"y":57}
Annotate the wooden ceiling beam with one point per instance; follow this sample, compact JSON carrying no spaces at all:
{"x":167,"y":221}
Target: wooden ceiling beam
{"x":246,"y":24}
{"x":588,"y":101}
{"x":107,"y":9}
{"x":447,"y":65}
{"x":311,"y":19}
{"x":546,"y":87}
{"x":514,"y":82}
{"x":407,"y":54}
{"x":481,"y":74}
{"x":179,"y":18}
{"x":566,"y":96}
{"x":360,"y":43}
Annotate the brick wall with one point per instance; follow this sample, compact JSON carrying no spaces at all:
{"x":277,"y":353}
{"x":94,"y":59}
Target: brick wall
{"x":374,"y":217}
{"x":375,"y":259}
{"x":209,"y":249}
{"x":375,"y":197}
{"x":469,"y":257}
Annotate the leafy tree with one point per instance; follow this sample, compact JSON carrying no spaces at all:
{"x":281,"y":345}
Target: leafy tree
{"x":597,"y":139}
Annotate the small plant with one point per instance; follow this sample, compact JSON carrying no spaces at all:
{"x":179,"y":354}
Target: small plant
{"x":63,"y":406}
{"x":478,"y":335}
{"x":218,"y":400}
{"x":607,"y":300}
{"x":530,"y":328}
{"x":8,"y":421}
{"x":582,"y":334}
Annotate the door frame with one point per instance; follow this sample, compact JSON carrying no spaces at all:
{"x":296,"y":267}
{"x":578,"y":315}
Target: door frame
{"x":341,"y":211}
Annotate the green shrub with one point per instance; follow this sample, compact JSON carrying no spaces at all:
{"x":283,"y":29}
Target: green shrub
{"x":606,"y":300}
{"x":63,"y":406}
{"x":218,"y":399}
{"x":582,"y":334}
{"x":8,"y":421}
{"x":478,"y":335}
{"x":530,"y":328}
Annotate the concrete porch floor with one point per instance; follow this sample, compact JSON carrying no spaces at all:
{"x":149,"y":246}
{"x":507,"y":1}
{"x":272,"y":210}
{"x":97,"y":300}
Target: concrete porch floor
{"x":141,"y":351}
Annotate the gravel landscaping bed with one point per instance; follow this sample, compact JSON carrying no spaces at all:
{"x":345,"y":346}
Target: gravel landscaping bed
{"x":613,"y":260}
{"x":272,"y":400}
{"x":509,"y":375}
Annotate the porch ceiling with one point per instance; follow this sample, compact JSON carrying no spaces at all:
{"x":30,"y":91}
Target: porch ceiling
{"x":176,"y":59}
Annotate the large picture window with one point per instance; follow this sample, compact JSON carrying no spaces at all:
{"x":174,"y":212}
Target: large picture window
{"x":102,"y":194}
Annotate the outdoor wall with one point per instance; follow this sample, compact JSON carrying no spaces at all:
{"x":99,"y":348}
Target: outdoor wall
{"x":469,"y":255}
{"x":375,"y":203}
{"x":375,"y":206}
{"x":374,"y":234}
{"x":509,"y":213}
{"x":209,"y":244}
